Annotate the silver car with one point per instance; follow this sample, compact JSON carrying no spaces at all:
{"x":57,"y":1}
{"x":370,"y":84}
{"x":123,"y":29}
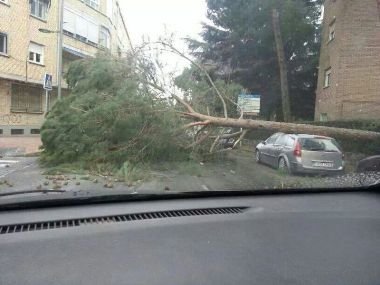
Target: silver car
{"x":301,"y":154}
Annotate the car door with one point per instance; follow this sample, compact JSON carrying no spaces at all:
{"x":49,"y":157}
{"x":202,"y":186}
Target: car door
{"x":277,"y":149}
{"x":267,"y":149}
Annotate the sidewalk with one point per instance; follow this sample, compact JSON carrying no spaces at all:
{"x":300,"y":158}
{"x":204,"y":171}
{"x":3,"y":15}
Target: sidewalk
{"x":19,"y":145}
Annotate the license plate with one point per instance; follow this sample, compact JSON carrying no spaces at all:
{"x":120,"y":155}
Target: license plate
{"x":323,"y":164}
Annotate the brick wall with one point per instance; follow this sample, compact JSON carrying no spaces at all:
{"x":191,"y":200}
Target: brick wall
{"x":354,"y":56}
{"x":22,"y":28}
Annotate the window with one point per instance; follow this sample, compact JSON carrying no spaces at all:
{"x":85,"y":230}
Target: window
{"x":319,"y":144}
{"x":332,"y":31}
{"x":39,"y":8}
{"x":327,"y":77}
{"x":36,"y":53}
{"x":281,"y":140}
{"x":273,"y":138}
{"x":289,"y":141}
{"x":93,"y":3}
{"x":27,"y":99}
{"x":3,"y":43}
{"x":323,"y":117}
{"x":104,"y":38}
{"x":80,"y":26}
{"x":17,"y":131}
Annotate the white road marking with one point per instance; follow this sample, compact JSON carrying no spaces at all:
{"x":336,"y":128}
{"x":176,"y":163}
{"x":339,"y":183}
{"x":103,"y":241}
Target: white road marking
{"x":6,"y":166}
{"x":8,"y":161}
{"x":205,"y":188}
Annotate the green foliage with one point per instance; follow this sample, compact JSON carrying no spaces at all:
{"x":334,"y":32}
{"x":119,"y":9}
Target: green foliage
{"x":240,"y":43}
{"x":109,"y":118}
{"x":365,"y":125}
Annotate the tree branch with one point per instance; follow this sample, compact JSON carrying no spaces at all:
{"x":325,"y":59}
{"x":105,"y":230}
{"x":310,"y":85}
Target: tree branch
{"x":203,"y":123}
{"x":176,"y":51}
{"x":198,"y":142}
{"x":240,"y":138}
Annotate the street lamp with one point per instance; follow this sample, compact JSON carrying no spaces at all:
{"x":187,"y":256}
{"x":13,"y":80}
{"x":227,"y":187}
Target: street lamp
{"x":60,"y":46}
{"x":46,"y":31}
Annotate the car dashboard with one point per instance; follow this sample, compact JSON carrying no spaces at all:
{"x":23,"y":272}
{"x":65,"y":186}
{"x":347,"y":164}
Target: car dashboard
{"x":316,"y":238}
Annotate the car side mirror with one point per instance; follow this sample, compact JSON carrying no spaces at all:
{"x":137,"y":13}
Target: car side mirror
{"x":264,"y":142}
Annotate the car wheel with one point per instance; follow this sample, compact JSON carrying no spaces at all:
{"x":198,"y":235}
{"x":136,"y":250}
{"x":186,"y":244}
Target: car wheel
{"x":258,"y":156}
{"x":283,"y":167}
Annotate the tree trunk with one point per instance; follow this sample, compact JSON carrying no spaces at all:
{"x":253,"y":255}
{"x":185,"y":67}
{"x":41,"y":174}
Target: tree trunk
{"x":282,"y":65}
{"x":285,"y":127}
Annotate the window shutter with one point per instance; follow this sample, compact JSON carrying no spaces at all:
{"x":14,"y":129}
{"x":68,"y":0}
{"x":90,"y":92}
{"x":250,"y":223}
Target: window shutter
{"x":81,"y":27}
{"x":36,"y":48}
{"x":35,"y":101}
{"x":69,"y":21}
{"x":19,"y":99}
{"x":93,"y":32}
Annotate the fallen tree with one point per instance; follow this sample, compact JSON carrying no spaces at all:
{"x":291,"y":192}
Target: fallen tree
{"x":249,"y":124}
{"x":120,"y":111}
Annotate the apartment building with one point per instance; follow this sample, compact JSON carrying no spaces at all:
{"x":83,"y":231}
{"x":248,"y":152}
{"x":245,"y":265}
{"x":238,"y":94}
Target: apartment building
{"x":27,"y":54}
{"x":349,"y":69}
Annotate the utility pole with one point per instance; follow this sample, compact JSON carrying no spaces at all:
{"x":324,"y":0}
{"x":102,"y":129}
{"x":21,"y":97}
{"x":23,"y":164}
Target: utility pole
{"x":60,"y":46}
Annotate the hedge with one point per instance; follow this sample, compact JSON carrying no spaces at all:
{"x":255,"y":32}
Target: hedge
{"x":348,"y":145}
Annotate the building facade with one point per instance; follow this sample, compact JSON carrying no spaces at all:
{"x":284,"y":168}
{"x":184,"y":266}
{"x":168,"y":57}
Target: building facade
{"x":349,"y":69}
{"x":26,"y":53}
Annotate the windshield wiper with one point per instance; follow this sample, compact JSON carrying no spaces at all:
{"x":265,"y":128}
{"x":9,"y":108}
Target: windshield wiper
{"x":31,"y":192}
{"x":86,"y":197}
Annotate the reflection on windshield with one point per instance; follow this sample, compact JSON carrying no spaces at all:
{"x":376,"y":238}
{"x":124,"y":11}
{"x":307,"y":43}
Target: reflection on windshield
{"x":127,"y":106}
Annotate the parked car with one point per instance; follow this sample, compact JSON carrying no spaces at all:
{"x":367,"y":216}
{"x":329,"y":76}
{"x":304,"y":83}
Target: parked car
{"x":228,"y":142}
{"x":371,"y":163}
{"x":301,"y":153}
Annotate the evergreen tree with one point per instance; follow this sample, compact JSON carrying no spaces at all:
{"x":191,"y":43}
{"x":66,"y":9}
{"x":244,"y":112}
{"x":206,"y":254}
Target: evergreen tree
{"x":239,"y":41}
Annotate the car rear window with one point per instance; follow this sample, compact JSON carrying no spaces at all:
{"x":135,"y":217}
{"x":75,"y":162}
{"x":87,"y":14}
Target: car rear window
{"x":319,"y":144}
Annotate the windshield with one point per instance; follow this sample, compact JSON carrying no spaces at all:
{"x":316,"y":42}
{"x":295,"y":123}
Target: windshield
{"x":106,"y":96}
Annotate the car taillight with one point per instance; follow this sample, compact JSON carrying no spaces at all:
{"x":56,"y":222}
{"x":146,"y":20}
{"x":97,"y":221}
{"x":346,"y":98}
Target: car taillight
{"x":297,"y":150}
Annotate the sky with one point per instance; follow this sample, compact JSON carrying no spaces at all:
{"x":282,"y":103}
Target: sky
{"x":149,"y":17}
{"x":153,"y":17}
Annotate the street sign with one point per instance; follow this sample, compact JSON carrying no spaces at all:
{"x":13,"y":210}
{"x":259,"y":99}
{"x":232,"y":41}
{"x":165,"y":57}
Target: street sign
{"x":249,"y":103}
{"x":48,"y":82}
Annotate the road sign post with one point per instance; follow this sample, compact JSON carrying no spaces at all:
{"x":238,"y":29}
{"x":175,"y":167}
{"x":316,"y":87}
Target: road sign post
{"x":48,"y":86}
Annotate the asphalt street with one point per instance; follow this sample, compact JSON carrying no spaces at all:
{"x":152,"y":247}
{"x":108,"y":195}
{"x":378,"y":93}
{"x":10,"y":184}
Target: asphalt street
{"x":238,"y":171}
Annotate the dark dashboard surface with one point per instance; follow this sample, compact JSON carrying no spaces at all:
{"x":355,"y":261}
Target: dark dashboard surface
{"x":331,"y":238}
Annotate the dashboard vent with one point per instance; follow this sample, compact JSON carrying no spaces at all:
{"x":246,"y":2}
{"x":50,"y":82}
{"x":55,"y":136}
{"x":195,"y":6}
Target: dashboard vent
{"x":48,"y":225}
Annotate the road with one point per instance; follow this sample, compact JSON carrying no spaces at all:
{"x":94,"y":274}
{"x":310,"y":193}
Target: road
{"x":238,"y":171}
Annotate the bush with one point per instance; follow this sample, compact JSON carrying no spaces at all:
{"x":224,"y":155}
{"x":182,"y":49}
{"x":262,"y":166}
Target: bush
{"x":357,"y":146}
